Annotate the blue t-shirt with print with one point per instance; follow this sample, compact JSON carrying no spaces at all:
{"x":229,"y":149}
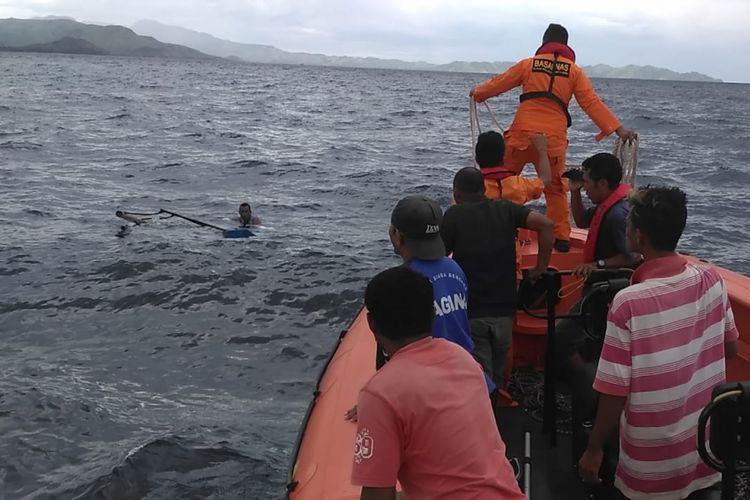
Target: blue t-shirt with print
{"x":451,"y":294}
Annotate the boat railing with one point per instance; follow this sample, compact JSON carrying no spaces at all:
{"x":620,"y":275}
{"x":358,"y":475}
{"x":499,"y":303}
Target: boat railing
{"x":729,"y":435}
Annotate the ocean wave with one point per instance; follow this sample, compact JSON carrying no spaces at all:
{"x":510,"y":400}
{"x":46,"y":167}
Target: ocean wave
{"x":21,"y":145}
{"x":174,"y":327}
{"x":173,"y":467}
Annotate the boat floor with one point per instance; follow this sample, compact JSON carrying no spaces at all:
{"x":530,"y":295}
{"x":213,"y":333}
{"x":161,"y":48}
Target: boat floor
{"x":553,"y":476}
{"x":552,"y":473}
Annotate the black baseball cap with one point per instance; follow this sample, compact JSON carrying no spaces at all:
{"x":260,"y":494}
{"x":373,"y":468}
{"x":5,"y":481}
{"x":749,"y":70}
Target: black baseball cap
{"x":419,"y":219}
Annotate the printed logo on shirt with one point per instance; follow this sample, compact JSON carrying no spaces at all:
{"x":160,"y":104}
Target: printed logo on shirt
{"x":447,"y":275}
{"x":450,"y":303}
{"x":363,"y":446}
{"x":545,"y":66}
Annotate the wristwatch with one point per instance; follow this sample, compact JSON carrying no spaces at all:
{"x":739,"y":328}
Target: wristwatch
{"x":601,"y":264}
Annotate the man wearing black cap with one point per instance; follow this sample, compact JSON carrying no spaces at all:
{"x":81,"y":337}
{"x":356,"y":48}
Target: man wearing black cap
{"x":549,"y":79}
{"x":415,"y":235}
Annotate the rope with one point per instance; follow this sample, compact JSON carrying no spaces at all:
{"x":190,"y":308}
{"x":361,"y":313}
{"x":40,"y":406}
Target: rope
{"x":570,"y":288}
{"x":492,"y":115}
{"x":476,"y":128}
{"x":527,"y":387}
{"x":627,"y":153}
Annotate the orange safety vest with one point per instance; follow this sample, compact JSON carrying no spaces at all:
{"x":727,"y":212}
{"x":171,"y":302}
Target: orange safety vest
{"x":496,"y":173}
{"x":552,"y":69}
{"x":549,"y":81}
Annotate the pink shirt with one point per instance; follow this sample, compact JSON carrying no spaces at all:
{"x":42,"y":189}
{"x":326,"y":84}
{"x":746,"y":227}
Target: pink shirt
{"x":426,"y":421}
{"x":664,"y":351}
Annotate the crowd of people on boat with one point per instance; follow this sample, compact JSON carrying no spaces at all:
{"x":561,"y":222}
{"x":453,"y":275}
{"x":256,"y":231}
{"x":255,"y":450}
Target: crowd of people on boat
{"x":443,"y":320}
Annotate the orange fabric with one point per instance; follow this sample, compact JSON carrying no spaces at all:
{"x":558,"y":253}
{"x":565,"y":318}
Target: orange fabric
{"x":496,"y":173}
{"x":589,"y":248}
{"x":515,"y":188}
{"x":556,"y":198}
{"x":426,"y":421}
{"x":544,"y":115}
{"x":323,"y":467}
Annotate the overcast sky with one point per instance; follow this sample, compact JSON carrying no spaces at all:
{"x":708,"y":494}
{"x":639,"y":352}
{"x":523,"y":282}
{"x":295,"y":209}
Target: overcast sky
{"x":710,"y":37}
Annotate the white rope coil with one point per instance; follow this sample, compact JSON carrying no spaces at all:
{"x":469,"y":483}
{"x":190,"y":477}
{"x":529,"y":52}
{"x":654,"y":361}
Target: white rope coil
{"x":627,"y":153}
{"x":476,"y":129}
{"x":474,"y":126}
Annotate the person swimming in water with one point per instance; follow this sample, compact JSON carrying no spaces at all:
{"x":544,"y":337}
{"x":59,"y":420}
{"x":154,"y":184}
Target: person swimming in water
{"x":247,"y":219}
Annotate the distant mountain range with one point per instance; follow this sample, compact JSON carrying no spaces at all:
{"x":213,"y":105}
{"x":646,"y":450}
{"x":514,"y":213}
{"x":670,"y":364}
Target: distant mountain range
{"x":72,"y":37}
{"x":268,"y":54}
{"x":55,"y":34}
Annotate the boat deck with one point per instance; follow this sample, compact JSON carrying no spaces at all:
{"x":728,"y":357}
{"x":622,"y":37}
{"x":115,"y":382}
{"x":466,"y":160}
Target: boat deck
{"x":551,"y":468}
{"x":553,"y":476}
{"x":321,"y":461}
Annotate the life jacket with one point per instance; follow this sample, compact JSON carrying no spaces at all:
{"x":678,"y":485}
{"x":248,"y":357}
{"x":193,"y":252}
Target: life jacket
{"x":496,"y":173}
{"x":589,"y":248}
{"x":538,"y":65}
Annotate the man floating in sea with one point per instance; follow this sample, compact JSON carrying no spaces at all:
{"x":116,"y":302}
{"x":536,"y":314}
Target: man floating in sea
{"x":247,"y":219}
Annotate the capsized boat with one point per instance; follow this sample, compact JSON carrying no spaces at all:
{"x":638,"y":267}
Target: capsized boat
{"x":322,"y":458}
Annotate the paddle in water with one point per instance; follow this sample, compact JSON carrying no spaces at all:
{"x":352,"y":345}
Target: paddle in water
{"x":138,"y":218}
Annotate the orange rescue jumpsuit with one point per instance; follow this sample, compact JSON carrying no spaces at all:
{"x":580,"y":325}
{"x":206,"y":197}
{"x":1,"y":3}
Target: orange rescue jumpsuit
{"x":549,"y":117}
{"x":515,"y":188}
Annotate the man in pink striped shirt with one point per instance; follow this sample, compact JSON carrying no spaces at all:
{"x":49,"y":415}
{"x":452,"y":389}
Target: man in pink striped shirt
{"x":668,"y":335}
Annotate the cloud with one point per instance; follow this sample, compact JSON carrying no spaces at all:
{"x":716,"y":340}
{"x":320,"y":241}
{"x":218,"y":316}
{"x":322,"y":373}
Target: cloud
{"x":684,"y":35}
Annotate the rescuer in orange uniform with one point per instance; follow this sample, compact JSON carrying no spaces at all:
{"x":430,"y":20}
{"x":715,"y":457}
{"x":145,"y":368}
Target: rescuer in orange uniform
{"x":549,"y":80}
{"x":499,"y":182}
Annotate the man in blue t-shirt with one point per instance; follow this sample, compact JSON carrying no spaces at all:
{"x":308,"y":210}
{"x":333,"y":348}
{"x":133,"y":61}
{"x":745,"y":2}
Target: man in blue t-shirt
{"x":415,"y":235}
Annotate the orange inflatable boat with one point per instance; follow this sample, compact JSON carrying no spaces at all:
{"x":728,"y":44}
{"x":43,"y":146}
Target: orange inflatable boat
{"x":322,"y":458}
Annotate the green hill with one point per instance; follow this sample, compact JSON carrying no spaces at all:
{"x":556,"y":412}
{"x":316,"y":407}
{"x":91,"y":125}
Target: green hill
{"x":68,"y":36}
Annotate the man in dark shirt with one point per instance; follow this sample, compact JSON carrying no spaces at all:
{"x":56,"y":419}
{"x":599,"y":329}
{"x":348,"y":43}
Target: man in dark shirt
{"x":481,"y":235}
{"x":605,"y":248}
{"x":602,"y":176}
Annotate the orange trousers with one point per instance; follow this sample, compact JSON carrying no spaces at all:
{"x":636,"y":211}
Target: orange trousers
{"x":557,"y":199}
